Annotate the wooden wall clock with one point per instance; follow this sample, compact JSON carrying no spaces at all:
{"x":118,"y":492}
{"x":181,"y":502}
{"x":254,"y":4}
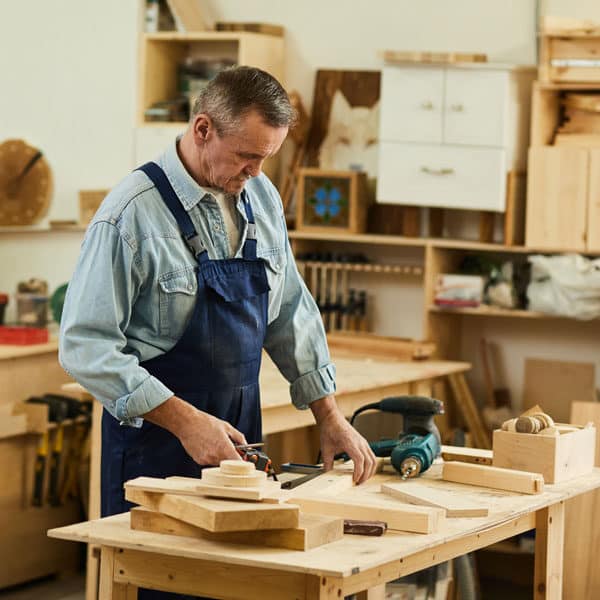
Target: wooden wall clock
{"x":25,"y":184}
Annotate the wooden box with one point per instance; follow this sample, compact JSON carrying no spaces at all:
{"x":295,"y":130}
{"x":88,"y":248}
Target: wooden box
{"x":557,"y":458}
{"x":331,"y":201}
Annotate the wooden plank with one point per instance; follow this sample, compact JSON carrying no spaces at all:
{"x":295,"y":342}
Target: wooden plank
{"x":377,"y":345}
{"x":312,"y":531}
{"x":400,"y":57}
{"x":549,"y":542}
{"x":264,"y":28}
{"x":557,"y":197}
{"x":415,"y":492}
{"x":188,"y":15}
{"x":186,"y":486}
{"x":554,"y":385}
{"x":586,"y":140}
{"x":593,"y":225}
{"x":493,"y":477}
{"x":477,"y":456}
{"x":213,"y":579}
{"x":218,"y":515}
{"x":397,"y":515}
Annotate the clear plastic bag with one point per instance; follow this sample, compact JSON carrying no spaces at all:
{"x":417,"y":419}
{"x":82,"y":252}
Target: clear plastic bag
{"x":566,"y":285}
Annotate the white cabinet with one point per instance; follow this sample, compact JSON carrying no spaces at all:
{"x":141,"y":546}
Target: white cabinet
{"x":450,"y":134}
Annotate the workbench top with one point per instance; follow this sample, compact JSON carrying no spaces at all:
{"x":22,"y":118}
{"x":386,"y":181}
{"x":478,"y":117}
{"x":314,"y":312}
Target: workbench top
{"x":353,"y":554}
{"x":8,"y":351}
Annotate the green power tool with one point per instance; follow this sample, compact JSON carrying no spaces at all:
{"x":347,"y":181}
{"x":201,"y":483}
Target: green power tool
{"x":415,"y":448}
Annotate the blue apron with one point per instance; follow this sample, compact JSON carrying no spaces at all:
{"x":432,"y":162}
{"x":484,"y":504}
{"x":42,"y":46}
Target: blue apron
{"x":214,"y":366}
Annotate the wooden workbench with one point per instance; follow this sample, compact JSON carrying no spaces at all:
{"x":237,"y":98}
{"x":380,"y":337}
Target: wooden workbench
{"x":354,"y":564}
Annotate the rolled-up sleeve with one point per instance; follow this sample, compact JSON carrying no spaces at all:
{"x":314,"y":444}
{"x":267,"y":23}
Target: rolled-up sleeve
{"x":297,"y":343}
{"x":96,"y":313}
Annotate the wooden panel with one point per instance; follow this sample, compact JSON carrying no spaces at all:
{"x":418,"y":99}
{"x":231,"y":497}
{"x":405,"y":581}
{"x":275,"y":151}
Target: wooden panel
{"x":493,"y":477}
{"x":312,"y":531}
{"x":593,"y":225}
{"x":544,"y":115}
{"x":554,"y":385}
{"x":397,"y":515}
{"x":549,"y":542}
{"x":263,"y":51}
{"x":216,"y":514}
{"x":582,"y":524}
{"x":557,"y":191}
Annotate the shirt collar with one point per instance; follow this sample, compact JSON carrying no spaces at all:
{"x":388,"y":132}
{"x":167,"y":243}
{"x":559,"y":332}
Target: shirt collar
{"x":185,"y":186}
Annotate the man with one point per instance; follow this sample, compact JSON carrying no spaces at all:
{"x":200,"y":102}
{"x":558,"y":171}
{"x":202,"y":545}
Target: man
{"x":185,"y":274}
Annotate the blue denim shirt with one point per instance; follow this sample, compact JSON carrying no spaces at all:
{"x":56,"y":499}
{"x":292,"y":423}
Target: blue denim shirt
{"x":134,"y":289}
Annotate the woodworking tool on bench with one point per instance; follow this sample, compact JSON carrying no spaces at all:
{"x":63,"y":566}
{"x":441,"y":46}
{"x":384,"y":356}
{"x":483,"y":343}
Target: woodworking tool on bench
{"x":413,"y":452}
{"x":253,"y":454}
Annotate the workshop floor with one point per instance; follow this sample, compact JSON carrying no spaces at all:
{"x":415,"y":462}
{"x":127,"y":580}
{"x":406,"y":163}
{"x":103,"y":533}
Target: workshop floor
{"x":71,"y":587}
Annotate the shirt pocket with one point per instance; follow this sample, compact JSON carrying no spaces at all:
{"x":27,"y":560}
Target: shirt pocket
{"x":276,"y":263}
{"x":177,"y":298}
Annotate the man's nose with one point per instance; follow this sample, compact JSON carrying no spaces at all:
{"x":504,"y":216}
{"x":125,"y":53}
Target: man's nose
{"x":253,"y":169}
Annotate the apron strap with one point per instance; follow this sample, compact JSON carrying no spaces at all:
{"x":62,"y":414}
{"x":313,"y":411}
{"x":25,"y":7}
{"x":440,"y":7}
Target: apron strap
{"x":249,"y":249}
{"x":170,"y":198}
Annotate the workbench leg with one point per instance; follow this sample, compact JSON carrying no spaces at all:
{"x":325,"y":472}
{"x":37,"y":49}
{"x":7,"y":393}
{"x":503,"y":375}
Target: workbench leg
{"x":549,"y":545}
{"x":109,"y":589}
{"x":323,"y":588}
{"x":375,"y":593}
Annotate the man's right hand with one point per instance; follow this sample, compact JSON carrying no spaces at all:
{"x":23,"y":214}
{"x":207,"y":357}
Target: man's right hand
{"x":205,"y":438}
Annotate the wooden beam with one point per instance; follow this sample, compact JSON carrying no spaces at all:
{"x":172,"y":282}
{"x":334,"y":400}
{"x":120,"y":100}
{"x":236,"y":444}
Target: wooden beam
{"x":493,"y":477}
{"x":549,"y":542}
{"x":313,"y":531}
{"x":466,"y":403}
{"x":218,"y":515}
{"x":453,"y":504}
{"x":395,"y":514}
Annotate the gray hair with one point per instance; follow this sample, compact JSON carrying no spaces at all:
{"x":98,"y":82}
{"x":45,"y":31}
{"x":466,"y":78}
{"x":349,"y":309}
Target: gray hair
{"x":235,"y":91}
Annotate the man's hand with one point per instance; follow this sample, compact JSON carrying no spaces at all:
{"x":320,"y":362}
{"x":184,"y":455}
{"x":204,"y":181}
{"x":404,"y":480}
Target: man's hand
{"x":337,"y":435}
{"x":205,"y":438}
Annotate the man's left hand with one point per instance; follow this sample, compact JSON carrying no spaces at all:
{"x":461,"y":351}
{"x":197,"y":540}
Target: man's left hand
{"x":337,"y":436}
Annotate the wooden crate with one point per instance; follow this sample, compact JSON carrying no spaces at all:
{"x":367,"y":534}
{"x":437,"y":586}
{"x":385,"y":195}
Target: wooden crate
{"x":557,"y":458}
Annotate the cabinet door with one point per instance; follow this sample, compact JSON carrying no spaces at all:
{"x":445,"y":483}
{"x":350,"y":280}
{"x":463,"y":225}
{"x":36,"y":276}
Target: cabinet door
{"x":476,"y":107}
{"x":442,"y":176}
{"x":411,"y":104}
{"x":593,"y":225}
{"x":557,"y":197}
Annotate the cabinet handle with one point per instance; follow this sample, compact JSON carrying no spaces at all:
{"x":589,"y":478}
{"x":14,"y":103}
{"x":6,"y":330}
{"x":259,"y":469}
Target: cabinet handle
{"x":457,"y":107}
{"x":427,"y":105}
{"x":430,"y":171}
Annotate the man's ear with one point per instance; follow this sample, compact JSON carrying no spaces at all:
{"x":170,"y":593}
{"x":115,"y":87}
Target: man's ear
{"x":202,"y":127}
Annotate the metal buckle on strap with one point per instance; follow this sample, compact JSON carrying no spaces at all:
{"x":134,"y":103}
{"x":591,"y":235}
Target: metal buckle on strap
{"x":195,"y":244}
{"x":251,"y":234}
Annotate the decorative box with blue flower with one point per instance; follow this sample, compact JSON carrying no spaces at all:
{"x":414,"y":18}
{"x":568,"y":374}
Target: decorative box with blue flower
{"x":331,"y":201}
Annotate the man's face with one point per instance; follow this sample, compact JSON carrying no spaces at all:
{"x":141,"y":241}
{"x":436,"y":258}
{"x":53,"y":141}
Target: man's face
{"x":227,"y":162}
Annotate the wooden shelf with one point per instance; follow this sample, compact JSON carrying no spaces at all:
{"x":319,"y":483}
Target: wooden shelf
{"x":393,"y":240}
{"x":44,"y":229}
{"x":8,"y":351}
{"x":202,"y":36}
{"x":491,"y":311}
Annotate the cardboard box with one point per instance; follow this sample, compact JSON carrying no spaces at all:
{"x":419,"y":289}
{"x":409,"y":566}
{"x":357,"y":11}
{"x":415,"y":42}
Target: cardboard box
{"x":558,"y":458}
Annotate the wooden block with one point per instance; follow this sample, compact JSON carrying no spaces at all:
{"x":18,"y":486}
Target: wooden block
{"x":236,"y":467}
{"x":378,"y":506}
{"x":399,"y":56}
{"x":214,"y":476}
{"x":415,"y":492}
{"x":12,"y":425}
{"x":493,"y":477}
{"x":312,"y":531}
{"x":264,"y":28}
{"x":477,"y":456}
{"x":557,"y":458}
{"x":555,"y":384}
{"x":218,"y":515}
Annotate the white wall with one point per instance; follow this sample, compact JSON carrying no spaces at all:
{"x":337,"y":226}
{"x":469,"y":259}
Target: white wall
{"x":68,"y":85}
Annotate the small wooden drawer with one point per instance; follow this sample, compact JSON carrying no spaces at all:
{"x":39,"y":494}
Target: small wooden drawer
{"x":557,"y":458}
{"x":442,"y":176}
